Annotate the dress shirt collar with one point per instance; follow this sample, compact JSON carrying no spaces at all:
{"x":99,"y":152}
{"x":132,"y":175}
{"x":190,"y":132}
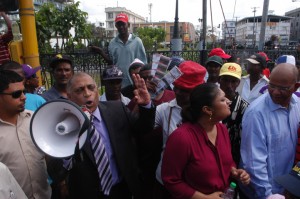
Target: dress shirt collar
{"x":97,"y":114}
{"x":173,"y":103}
{"x":274,"y":106}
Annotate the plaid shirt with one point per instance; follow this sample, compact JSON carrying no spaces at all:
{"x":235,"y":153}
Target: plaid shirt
{"x":4,"y":41}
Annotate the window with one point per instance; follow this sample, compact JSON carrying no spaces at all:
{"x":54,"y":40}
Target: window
{"x":110,"y":15}
{"x":111,"y":24}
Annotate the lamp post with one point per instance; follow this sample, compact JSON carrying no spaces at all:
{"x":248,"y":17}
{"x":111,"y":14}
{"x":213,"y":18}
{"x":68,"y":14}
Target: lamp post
{"x":200,"y":22}
{"x":176,"y":40}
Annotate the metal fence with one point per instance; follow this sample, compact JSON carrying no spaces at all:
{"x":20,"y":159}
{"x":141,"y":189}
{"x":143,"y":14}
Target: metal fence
{"x":93,"y":63}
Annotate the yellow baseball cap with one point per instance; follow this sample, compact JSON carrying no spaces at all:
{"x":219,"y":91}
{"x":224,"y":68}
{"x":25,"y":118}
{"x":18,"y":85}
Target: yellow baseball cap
{"x":231,"y":69}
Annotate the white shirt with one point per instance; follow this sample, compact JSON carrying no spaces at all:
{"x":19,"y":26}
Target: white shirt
{"x":244,"y":88}
{"x":124,"y":99}
{"x":9,"y":188}
{"x":168,"y":123}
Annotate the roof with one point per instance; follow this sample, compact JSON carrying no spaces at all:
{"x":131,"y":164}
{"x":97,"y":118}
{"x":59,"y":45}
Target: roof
{"x":271,"y":18}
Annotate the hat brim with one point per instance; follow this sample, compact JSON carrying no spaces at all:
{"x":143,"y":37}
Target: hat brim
{"x":224,"y":56}
{"x":230,"y":74}
{"x":122,"y":20}
{"x":185,"y":85}
{"x":290,"y":183}
{"x":112,"y":78}
{"x":253,"y":61}
{"x":33,"y":71}
{"x":215,"y":62}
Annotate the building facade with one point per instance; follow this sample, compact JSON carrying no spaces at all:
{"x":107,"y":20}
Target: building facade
{"x":186,"y":30}
{"x":246,"y":31}
{"x":295,"y":24}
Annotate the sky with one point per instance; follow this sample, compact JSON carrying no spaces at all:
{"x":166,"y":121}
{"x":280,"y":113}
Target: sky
{"x":189,"y":10}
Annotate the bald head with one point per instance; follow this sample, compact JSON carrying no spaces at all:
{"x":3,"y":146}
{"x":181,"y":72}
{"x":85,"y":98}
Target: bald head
{"x":286,"y":72}
{"x":74,"y":79}
{"x":83,"y":90}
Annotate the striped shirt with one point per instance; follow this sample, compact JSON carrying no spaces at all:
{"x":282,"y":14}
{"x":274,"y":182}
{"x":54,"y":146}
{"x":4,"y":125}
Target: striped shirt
{"x":4,"y":41}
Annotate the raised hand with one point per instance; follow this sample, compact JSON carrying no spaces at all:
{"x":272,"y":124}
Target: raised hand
{"x":141,"y":94}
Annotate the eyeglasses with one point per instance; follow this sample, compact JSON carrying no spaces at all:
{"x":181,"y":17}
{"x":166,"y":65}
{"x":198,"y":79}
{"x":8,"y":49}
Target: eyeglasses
{"x":280,"y":88}
{"x":16,"y":94}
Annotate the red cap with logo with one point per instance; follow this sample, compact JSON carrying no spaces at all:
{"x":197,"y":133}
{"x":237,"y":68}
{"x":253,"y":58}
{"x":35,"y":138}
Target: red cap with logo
{"x":121,"y":17}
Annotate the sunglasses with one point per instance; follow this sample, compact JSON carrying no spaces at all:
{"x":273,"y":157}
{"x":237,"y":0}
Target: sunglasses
{"x":16,"y":94}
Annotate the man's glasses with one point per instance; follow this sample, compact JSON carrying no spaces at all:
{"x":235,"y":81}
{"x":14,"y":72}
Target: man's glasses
{"x":280,"y":88}
{"x":16,"y":94}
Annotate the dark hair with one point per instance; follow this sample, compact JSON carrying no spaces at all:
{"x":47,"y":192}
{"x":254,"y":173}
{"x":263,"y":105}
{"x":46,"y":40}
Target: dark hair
{"x":298,"y":63}
{"x":11,"y":65}
{"x":7,"y":77}
{"x":146,"y":67}
{"x":202,"y":95}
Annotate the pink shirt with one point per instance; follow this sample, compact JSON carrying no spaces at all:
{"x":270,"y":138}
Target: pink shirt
{"x":191,"y":162}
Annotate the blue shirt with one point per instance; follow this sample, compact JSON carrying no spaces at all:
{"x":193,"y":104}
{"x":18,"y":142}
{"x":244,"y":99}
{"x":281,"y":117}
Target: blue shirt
{"x":268,"y":144}
{"x":101,"y":128}
{"x":52,"y":94}
{"x":33,"y":101}
{"x":122,"y":55}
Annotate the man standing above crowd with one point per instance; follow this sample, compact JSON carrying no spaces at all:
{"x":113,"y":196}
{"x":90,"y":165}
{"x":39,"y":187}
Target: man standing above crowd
{"x":18,"y":151}
{"x":124,"y":48}
{"x":5,"y":39}
{"x":269,"y":135}
{"x":62,"y":70}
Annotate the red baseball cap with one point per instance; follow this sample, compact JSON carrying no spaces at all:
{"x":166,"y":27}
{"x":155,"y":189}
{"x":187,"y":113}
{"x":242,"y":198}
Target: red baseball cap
{"x":193,"y":75}
{"x":264,"y":55}
{"x":121,"y":17}
{"x":219,"y":52}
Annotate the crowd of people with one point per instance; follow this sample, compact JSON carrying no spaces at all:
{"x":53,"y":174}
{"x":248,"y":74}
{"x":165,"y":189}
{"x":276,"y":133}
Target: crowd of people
{"x":212,"y":126}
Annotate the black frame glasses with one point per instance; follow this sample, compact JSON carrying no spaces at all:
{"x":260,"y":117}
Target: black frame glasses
{"x":16,"y":94}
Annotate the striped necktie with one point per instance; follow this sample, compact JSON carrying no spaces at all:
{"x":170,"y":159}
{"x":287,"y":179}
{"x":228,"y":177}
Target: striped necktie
{"x":101,"y":159}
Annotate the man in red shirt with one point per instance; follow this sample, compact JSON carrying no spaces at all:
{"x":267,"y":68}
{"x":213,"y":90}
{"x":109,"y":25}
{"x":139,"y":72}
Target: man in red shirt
{"x":5,"y":39}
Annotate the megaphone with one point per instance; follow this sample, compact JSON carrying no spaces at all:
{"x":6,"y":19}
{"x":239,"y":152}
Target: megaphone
{"x":58,"y":126}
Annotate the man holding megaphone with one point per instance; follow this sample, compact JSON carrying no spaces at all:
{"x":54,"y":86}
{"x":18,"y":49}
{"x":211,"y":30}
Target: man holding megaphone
{"x":115,"y":126}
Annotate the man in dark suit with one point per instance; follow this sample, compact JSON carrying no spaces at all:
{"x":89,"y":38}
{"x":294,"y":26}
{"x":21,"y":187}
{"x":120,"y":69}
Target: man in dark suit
{"x":116,"y":126}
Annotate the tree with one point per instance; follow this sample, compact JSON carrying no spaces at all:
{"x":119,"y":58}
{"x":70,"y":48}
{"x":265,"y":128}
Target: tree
{"x":54,"y":23}
{"x":151,"y":37}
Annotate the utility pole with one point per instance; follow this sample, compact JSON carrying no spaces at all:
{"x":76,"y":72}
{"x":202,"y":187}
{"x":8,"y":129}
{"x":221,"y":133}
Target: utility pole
{"x":254,"y":36}
{"x":235,"y":28}
{"x":264,"y":20}
{"x":150,"y":11}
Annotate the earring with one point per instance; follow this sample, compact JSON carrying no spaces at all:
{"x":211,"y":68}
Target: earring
{"x":210,"y":116}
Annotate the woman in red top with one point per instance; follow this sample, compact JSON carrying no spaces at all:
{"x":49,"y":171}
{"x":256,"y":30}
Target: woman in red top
{"x":197,"y":162}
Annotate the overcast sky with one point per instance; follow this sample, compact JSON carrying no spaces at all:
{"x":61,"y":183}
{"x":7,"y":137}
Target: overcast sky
{"x":189,"y":10}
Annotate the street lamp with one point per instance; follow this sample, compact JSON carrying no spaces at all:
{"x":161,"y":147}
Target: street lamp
{"x":176,"y":40}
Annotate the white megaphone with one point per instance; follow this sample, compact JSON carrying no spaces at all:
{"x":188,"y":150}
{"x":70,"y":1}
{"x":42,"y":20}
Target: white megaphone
{"x":58,"y":126}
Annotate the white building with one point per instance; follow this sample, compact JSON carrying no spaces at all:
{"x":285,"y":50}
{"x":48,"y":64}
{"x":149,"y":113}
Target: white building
{"x":248,"y":29}
{"x":228,"y":32}
{"x":112,"y":12}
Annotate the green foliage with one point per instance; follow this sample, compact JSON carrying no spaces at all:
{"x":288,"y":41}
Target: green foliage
{"x":54,"y":23}
{"x":151,"y":37}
